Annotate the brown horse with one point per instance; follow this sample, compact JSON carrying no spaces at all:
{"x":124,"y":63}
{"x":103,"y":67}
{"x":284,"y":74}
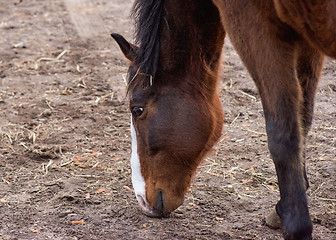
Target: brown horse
{"x":176,"y":111}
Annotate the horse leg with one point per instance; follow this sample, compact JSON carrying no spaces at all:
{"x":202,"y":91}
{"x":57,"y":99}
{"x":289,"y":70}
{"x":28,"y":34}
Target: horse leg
{"x":285,"y":142}
{"x":309,"y":67}
{"x":268,"y":49}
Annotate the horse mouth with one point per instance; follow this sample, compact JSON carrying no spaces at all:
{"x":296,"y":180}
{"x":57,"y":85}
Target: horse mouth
{"x":159,"y":210}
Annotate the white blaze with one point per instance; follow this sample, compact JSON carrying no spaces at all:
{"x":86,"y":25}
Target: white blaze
{"x":137,"y":179}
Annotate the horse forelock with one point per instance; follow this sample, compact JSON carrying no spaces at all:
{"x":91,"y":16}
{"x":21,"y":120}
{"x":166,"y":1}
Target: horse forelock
{"x":148,"y":15}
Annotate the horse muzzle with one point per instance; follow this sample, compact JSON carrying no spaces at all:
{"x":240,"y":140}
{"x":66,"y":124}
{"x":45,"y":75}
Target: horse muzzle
{"x":158,"y":211}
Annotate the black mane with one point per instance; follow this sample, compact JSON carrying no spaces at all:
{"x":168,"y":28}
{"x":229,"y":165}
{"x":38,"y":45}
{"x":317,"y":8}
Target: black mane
{"x":147,"y":16}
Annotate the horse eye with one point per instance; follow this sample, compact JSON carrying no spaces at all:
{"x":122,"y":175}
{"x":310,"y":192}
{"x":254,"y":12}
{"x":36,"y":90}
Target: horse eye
{"x":137,"y":111}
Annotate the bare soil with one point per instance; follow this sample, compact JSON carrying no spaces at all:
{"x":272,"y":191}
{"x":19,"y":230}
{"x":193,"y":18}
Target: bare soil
{"x":65,"y":140}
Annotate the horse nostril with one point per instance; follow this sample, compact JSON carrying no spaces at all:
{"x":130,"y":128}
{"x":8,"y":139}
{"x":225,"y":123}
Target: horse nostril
{"x":159,"y":205}
{"x":159,"y":202}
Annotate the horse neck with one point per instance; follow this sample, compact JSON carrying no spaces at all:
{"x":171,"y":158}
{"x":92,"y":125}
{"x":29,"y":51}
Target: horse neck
{"x":191,"y":41}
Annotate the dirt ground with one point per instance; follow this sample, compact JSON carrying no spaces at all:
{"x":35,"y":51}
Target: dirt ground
{"x":65,"y":138}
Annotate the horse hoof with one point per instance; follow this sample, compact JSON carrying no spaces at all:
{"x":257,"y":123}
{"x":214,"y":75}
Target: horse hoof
{"x":273,"y":220}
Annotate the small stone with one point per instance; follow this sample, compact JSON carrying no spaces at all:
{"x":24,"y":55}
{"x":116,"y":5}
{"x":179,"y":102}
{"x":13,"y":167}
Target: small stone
{"x":46,"y":113}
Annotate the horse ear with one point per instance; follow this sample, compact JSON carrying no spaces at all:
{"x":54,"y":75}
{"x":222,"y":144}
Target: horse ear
{"x":128,"y":49}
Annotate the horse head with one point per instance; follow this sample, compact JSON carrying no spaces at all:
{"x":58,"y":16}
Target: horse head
{"x":173,"y":125}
